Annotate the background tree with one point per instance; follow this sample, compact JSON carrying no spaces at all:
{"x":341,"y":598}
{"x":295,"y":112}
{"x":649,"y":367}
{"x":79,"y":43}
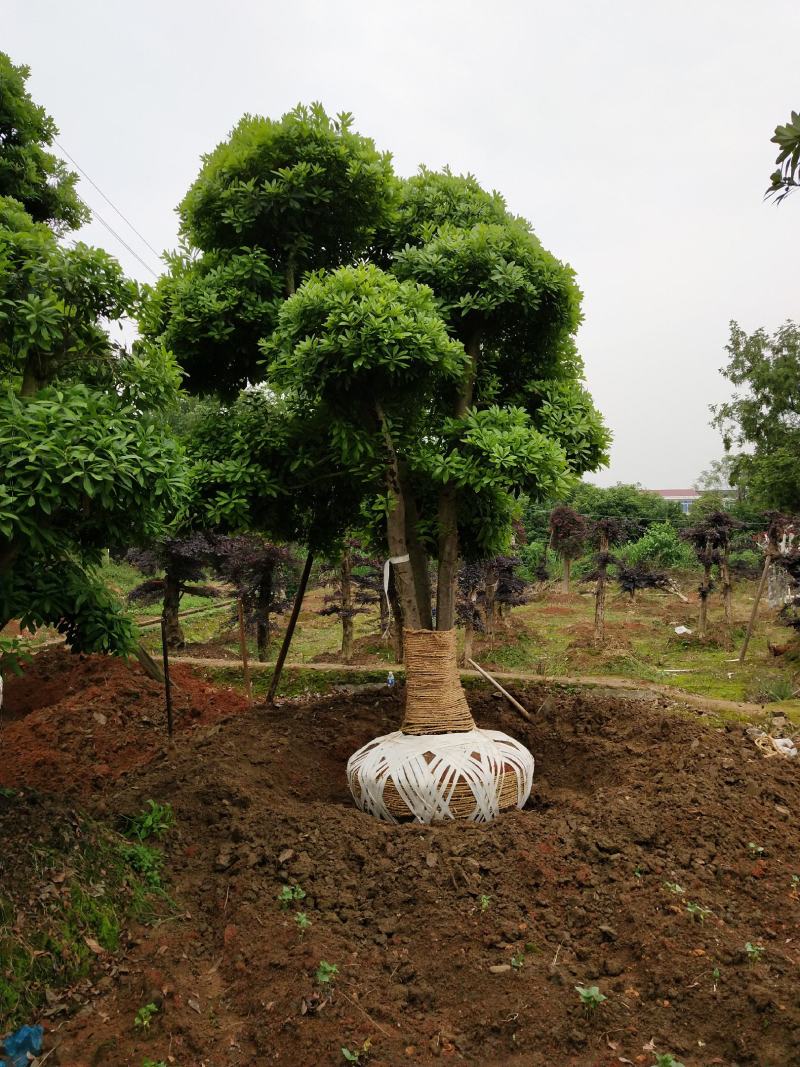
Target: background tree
{"x":40,"y":181}
{"x":87,"y":463}
{"x":604,"y":533}
{"x":787,"y":175}
{"x":358,"y":582}
{"x":471,"y":587}
{"x":184,"y":562}
{"x":763,"y":416}
{"x":262,"y":574}
{"x":568,"y":533}
{"x":631,"y":577}
{"x":711,"y":539}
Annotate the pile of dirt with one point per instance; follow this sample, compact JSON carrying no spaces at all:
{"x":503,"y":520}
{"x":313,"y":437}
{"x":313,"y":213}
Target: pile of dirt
{"x":69,"y":723}
{"x":655,"y":849}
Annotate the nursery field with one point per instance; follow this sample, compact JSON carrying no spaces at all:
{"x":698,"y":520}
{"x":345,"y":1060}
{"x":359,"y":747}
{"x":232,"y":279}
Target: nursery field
{"x":550,"y":636}
{"x":658,"y":860}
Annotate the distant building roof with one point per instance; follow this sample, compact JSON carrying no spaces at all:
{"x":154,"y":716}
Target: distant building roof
{"x":677,"y":494}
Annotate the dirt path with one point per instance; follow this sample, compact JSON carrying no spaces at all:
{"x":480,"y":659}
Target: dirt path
{"x":603,"y":681}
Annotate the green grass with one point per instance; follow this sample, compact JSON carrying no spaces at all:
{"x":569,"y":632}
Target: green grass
{"x":95,"y":883}
{"x":550,"y":636}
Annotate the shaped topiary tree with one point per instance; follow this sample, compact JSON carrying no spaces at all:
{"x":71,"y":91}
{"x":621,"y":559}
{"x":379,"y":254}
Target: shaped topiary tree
{"x":568,"y":535}
{"x":399,"y":399}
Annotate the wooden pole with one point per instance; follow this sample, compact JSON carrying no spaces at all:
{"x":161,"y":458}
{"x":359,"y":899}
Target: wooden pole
{"x":515,"y":703}
{"x":167,"y":687}
{"x":751,"y":625}
{"x":248,"y":687}
{"x":287,"y":637}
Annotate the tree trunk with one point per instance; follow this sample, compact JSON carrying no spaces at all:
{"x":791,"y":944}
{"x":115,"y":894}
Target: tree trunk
{"x":448,"y":507}
{"x":419,"y":560}
{"x":469,"y":634}
{"x":31,"y":383}
{"x":396,"y":533}
{"x":291,"y":264}
{"x":754,"y":613}
{"x":600,"y":594}
{"x":397,"y":620}
{"x":263,"y":610}
{"x":490,"y":603}
{"x":567,"y":570}
{"x":383,"y":607}
{"x":727,"y":591}
{"x":345,"y":572}
{"x":172,"y":605}
{"x":8,"y":556}
{"x":705,"y":592}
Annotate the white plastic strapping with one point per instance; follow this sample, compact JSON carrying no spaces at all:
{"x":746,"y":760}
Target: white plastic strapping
{"x":426,"y":768}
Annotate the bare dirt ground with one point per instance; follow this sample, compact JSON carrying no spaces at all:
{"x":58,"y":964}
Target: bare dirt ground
{"x":654,"y":849}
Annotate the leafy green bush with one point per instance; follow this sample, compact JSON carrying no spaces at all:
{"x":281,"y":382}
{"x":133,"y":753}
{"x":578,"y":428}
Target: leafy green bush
{"x":660,"y":545}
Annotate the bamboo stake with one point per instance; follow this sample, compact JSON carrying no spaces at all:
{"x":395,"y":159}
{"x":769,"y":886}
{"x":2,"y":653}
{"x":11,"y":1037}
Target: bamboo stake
{"x":248,"y":686}
{"x":751,"y":625}
{"x":287,"y":637}
{"x":515,"y":703}
{"x":167,"y":687}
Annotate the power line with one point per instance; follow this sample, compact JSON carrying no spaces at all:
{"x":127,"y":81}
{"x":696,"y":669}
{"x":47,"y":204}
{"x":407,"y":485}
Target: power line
{"x":124,"y":243}
{"x":108,"y":200}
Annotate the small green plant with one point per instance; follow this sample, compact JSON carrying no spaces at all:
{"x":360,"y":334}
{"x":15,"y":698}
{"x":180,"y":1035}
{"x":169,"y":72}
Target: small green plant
{"x":145,"y":861}
{"x":484,"y":901}
{"x":144,"y":1015}
{"x":697,"y":911}
{"x":518,"y":960}
{"x":795,"y":883}
{"x":769,"y":688}
{"x":303,"y":921}
{"x":357,"y":1055}
{"x":638,"y":871}
{"x":591,"y":997}
{"x":289,"y":894}
{"x":673,"y":887}
{"x":154,"y":821}
{"x":754,"y":952}
{"x":666,"y":1059}
{"x":326,"y":972}
{"x":154,"y":1063}
{"x":755,"y":850}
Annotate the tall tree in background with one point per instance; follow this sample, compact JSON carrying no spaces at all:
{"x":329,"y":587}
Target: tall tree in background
{"x":86,"y":461}
{"x":763,"y":417}
{"x":40,"y":181}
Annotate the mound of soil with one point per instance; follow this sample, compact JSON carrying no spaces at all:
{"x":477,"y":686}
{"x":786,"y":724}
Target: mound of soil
{"x":69,"y":724}
{"x":465,"y":942}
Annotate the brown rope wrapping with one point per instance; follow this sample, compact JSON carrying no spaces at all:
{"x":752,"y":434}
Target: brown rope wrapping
{"x":435,"y":699}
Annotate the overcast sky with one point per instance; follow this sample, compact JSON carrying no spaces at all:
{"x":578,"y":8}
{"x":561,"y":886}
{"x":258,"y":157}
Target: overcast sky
{"x":635,"y":137}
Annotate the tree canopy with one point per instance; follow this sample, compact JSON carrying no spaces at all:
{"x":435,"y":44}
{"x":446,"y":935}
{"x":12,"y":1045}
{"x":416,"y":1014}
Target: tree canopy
{"x":417,"y":366}
{"x":39,"y":180}
{"x":763,"y":417}
{"x":786,"y":177}
{"x":87,"y":463}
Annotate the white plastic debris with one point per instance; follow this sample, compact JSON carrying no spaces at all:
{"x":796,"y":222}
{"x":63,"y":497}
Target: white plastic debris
{"x":681,"y":630}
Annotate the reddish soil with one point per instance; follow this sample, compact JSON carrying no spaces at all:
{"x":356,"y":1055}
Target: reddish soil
{"x":73,"y":723}
{"x":628,"y":795}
